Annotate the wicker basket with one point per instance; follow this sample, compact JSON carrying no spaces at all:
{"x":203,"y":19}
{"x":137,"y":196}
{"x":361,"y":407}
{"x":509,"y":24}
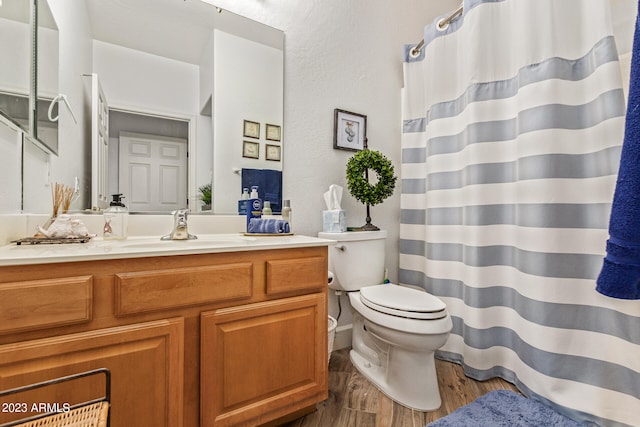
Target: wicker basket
{"x":333,"y":324}
{"x":91,"y":413}
{"x":94,"y":415}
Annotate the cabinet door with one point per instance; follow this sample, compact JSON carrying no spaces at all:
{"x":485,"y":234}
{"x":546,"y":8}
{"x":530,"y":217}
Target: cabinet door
{"x":146,"y":363}
{"x":262,"y":361}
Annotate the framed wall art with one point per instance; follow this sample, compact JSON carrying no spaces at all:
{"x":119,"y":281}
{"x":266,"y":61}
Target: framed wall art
{"x":250,"y":149}
{"x":273,"y":132}
{"x":251,"y":129}
{"x":349,"y":130}
{"x":272,"y":152}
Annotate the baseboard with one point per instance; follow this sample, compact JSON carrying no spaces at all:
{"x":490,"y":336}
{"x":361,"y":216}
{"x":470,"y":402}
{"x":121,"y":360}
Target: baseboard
{"x":343,"y":337}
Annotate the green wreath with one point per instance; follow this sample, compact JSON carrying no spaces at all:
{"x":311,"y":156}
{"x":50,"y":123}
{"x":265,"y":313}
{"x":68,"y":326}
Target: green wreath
{"x":359,"y":185}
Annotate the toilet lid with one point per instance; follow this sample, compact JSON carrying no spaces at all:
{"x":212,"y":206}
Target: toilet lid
{"x":403,"y":302}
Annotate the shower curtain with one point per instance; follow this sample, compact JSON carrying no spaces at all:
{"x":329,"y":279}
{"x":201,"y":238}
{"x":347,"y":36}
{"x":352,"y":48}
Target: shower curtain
{"x":513,"y":119}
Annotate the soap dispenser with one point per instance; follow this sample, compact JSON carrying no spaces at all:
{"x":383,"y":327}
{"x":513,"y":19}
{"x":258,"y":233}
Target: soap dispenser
{"x":243,"y":202}
{"x":116,"y":219}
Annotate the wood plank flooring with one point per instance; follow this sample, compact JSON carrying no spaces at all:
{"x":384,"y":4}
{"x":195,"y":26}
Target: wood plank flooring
{"x":354,"y":402}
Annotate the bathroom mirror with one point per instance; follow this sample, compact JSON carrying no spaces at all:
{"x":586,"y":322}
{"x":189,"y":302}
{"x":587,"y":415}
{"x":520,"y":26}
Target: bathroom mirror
{"x":174,"y":74}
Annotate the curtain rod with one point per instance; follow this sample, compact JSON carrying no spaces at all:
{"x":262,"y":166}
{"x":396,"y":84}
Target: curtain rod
{"x":442,"y":25}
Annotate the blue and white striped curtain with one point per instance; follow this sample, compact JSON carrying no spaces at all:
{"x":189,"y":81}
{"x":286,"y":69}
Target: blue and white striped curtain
{"x":513,"y":118}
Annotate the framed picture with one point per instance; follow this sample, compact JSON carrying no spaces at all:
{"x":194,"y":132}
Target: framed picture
{"x":349,"y":130}
{"x":250,"y":149}
{"x":273,"y":132}
{"x":272,"y":152}
{"x":251,"y":129}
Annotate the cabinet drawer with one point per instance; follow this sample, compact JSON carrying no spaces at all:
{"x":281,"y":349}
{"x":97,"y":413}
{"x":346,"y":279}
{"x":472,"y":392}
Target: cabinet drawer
{"x":296,"y":274}
{"x":143,"y":291}
{"x":37,"y":304}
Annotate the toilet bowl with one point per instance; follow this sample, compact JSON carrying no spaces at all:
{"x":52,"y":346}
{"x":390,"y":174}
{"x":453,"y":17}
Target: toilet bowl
{"x":396,"y":329}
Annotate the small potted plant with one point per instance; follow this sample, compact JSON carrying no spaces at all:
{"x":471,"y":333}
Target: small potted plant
{"x":205,"y":196}
{"x":358,"y":180}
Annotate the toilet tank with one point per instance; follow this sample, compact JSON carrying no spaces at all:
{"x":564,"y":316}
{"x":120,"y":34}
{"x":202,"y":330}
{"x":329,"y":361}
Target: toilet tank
{"x":357,"y":260}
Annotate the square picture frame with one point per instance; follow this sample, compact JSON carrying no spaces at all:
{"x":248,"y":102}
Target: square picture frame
{"x":349,"y":130}
{"x":273,"y":132}
{"x":272,"y":152}
{"x":251,"y":129}
{"x":250,"y":149}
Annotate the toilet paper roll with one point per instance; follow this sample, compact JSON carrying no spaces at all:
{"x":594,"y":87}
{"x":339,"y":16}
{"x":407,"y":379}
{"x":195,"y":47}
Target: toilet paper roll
{"x":330,"y":277}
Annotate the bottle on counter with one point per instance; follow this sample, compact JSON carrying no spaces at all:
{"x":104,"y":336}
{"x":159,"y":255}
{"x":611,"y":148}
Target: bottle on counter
{"x":244,"y":200}
{"x":286,"y":212}
{"x":116,"y":219}
{"x":266,"y":208}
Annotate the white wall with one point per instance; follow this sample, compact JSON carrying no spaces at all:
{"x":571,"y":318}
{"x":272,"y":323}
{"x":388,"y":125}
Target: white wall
{"x":48,"y":68}
{"x":248,"y":85}
{"x":15,"y":49}
{"x":10,"y":178}
{"x":147,"y":82}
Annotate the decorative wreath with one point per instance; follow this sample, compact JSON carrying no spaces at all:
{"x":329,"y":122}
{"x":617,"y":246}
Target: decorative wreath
{"x":359,"y":185}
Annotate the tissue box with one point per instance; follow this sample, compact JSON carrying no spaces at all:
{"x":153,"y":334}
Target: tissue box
{"x":334,"y":221}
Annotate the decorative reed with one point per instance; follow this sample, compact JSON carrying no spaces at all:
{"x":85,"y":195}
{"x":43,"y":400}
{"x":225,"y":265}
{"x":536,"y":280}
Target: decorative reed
{"x":62,"y":196}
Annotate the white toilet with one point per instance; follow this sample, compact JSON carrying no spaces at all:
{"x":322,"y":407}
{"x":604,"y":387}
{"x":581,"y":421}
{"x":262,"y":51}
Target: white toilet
{"x":396,"y":329}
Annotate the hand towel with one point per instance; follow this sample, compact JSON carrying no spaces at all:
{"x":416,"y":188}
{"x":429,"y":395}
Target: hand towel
{"x":268,"y":226}
{"x":269,"y":184}
{"x":620,"y":275}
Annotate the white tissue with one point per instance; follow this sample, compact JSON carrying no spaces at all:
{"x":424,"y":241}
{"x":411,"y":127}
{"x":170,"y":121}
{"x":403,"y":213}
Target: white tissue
{"x":333,"y":197}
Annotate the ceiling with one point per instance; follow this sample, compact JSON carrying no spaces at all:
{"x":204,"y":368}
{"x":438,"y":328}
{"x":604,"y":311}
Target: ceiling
{"x":177,"y":29}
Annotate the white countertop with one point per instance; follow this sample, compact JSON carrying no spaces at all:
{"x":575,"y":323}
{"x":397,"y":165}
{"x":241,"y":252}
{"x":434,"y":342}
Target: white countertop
{"x":138,"y":247}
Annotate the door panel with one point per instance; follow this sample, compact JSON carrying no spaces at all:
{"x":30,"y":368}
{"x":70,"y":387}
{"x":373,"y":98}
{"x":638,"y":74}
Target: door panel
{"x":152,"y":172}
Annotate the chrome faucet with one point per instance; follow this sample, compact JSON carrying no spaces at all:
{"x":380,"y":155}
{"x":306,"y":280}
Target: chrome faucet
{"x":179,"y":231}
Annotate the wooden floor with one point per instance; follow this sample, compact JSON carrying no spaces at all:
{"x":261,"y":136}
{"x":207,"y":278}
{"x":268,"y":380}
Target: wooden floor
{"x":354,"y":402}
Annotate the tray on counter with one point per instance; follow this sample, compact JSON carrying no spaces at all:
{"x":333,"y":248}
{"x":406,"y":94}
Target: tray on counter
{"x":268,"y":234}
{"x":50,"y":240}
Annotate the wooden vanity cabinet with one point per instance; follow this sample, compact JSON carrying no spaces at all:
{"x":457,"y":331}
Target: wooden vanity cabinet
{"x":191,"y":340}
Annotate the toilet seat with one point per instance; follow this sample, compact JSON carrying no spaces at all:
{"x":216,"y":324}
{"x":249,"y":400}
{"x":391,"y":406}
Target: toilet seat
{"x":403,"y":302}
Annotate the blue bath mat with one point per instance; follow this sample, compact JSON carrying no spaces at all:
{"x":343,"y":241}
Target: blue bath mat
{"x":504,"y":408}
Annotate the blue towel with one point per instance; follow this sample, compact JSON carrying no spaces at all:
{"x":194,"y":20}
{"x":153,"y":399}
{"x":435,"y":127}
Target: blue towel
{"x":268,"y":226}
{"x":620,"y":275}
{"x":269,"y":184}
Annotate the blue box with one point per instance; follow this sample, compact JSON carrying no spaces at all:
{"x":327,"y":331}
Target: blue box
{"x":254,"y":210}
